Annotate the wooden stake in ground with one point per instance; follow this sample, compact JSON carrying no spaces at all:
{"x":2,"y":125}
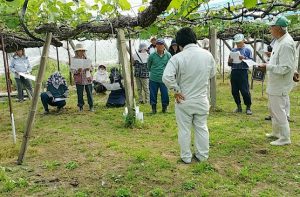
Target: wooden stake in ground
{"x":69,"y":58}
{"x":127,"y":79}
{"x":57,"y":58}
{"x":36,"y":96}
{"x":213,"y":86}
{"x":8,"y":88}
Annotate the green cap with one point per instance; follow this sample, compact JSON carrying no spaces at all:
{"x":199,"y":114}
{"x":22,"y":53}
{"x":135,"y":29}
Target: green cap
{"x":281,"y":21}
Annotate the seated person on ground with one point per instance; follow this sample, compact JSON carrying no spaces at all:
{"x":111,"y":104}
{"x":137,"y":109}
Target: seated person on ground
{"x":117,"y":96}
{"x":56,"y":94}
{"x":100,"y":78}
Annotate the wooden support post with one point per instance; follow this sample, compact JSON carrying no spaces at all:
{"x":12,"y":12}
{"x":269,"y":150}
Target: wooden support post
{"x":57,"y":58}
{"x":298,"y":61}
{"x":36,"y":96}
{"x":220,"y":54}
{"x":213,"y":50}
{"x":228,"y":46}
{"x":123,"y":57}
{"x":259,"y":55}
{"x":131,"y":64}
{"x":69,"y":56}
{"x":254,"y":51}
{"x":72,"y":44}
{"x":8,"y":88}
{"x":95,"y":42}
{"x":223,"y":59}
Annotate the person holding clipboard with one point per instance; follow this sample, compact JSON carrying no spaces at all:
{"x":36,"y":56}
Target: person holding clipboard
{"x":20,"y":64}
{"x":239,"y":74}
{"x":81,"y":67}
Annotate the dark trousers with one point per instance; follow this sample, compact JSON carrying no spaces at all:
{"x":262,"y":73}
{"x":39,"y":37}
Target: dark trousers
{"x":88,"y":89}
{"x":23,"y":83}
{"x":98,"y":87}
{"x":239,"y":83}
{"x":154,"y":86}
{"x":46,"y":100}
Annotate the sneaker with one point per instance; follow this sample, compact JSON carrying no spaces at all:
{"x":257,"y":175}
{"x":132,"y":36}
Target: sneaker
{"x":248,"y":112}
{"x":185,"y":161}
{"x":272,"y":135}
{"x":80,"y":109}
{"x":46,"y":112}
{"x":281,"y":142}
{"x":199,"y":160}
{"x":92,"y":109}
{"x":268,"y":118}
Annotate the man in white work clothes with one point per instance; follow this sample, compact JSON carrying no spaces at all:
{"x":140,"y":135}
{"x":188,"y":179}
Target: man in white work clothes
{"x":187,"y":74}
{"x":280,"y":69}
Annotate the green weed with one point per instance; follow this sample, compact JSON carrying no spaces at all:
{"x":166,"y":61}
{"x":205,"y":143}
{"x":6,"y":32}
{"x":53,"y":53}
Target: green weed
{"x":71,"y":165}
{"x":123,"y":192}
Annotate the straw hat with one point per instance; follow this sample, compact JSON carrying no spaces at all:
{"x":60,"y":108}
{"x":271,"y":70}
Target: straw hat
{"x":80,"y":47}
{"x":152,"y":38}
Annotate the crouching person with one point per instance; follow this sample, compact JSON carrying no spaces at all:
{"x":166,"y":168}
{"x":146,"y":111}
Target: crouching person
{"x":56,"y":94}
{"x":100,"y":77}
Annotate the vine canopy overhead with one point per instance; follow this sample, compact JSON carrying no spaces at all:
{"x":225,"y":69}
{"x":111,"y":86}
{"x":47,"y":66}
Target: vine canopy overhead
{"x":100,"y":19}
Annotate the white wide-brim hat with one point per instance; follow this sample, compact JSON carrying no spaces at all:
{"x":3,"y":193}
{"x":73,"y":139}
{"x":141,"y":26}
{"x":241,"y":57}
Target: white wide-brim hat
{"x":80,"y":47}
{"x":238,"y":38}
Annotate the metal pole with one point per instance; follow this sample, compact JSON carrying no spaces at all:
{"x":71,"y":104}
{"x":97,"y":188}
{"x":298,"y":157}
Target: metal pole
{"x":36,"y":94}
{"x":8,"y":88}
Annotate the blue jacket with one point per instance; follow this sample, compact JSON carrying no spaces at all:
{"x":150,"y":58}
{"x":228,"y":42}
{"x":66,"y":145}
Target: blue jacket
{"x":247,"y":53}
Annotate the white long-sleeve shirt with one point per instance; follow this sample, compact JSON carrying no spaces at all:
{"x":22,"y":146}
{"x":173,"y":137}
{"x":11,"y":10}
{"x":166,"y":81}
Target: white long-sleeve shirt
{"x":189,"y":72}
{"x":20,"y":64}
{"x":281,"y":66}
{"x":101,"y":77}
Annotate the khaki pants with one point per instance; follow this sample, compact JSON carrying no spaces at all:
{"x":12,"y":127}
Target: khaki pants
{"x":142,"y":85}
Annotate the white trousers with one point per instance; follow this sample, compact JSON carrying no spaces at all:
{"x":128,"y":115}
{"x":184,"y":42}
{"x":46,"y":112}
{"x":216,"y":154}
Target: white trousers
{"x":279,"y":112}
{"x":186,"y":117}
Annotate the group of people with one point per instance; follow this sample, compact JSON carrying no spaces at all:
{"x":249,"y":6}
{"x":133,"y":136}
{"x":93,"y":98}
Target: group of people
{"x":186,"y":70}
{"x":56,"y":86}
{"x":282,"y":74}
{"x":149,"y":64}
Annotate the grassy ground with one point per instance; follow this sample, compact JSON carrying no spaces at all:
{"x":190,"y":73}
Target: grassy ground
{"x":92,"y":154}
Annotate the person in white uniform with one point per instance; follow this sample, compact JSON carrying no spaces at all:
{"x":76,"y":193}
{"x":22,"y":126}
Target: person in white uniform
{"x":187,"y":74}
{"x":280,"y":69}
